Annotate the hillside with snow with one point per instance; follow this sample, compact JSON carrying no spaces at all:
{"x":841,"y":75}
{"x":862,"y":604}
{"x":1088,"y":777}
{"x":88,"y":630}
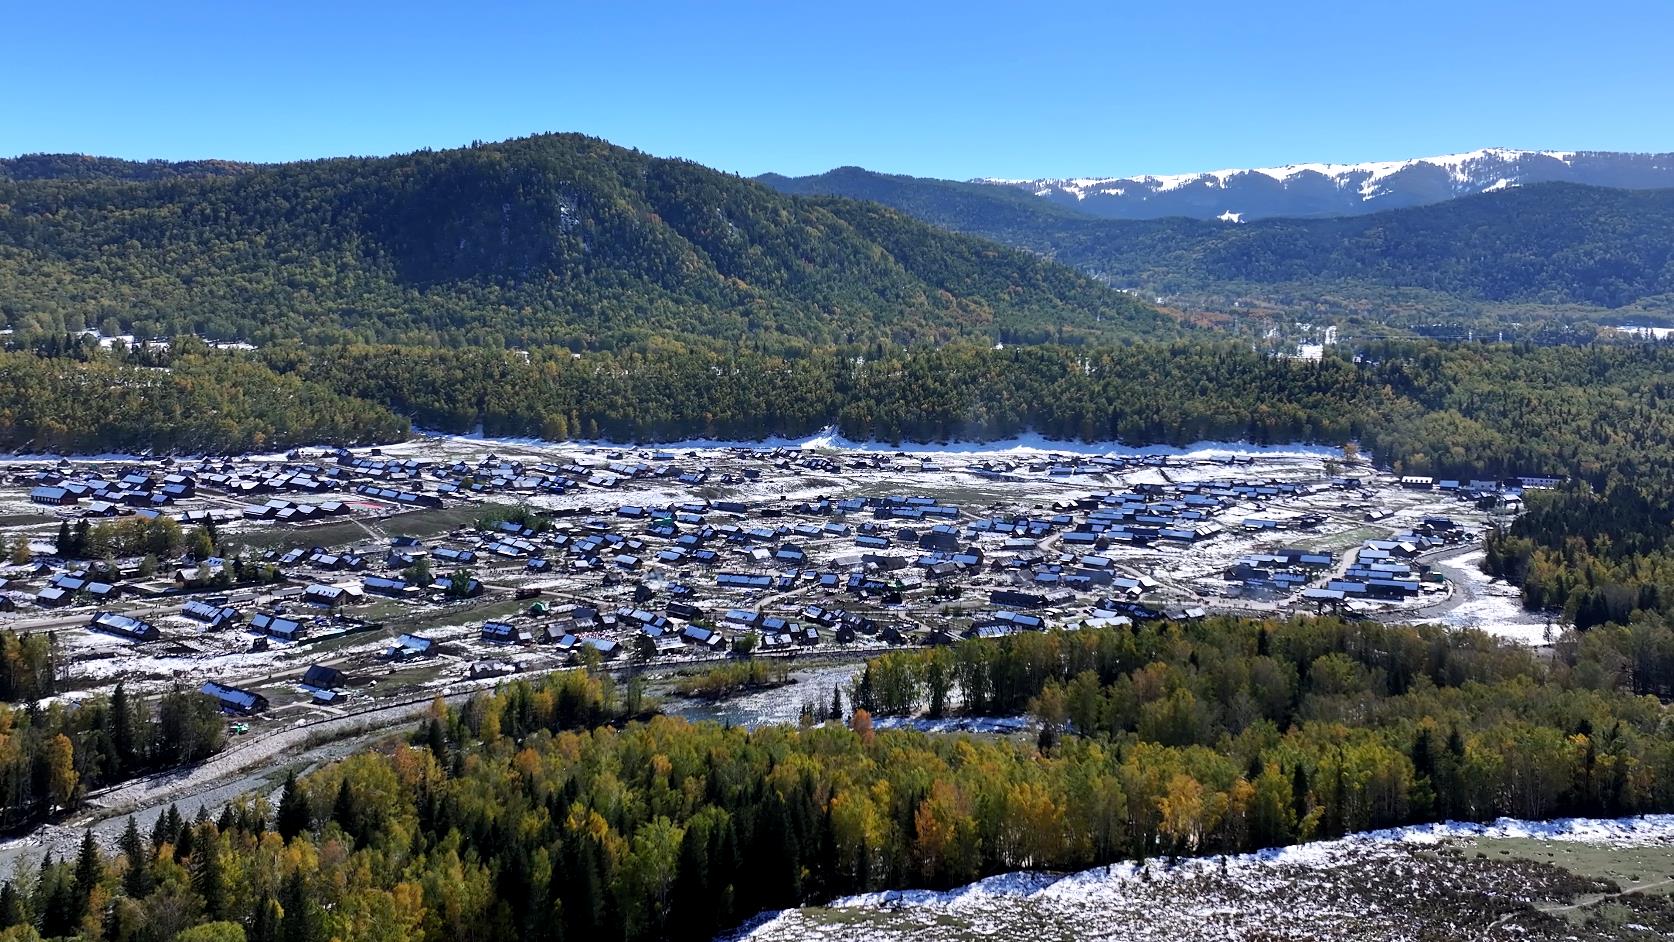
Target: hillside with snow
{"x":1323,"y":189}
{"x":1574,"y":879}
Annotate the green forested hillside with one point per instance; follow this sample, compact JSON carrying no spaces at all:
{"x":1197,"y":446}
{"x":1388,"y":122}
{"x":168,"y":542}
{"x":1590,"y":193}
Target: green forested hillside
{"x":189,"y":401}
{"x":1597,"y":413}
{"x":85,"y":167}
{"x":1460,"y":411}
{"x":1543,"y":244}
{"x":558,"y":239}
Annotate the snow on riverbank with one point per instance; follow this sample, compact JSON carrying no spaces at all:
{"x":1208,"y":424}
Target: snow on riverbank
{"x":1492,"y":605}
{"x":956,"y":724}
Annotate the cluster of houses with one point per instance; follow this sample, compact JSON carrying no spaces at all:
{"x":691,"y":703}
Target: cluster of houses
{"x":1387,"y":570}
{"x":691,"y":576}
{"x":108,"y":497}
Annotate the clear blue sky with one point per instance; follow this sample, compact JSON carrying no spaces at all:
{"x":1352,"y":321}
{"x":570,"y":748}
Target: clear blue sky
{"x":799,"y":86}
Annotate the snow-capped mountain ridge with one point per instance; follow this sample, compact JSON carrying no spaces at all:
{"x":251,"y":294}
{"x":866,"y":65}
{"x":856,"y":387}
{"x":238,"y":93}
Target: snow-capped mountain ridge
{"x":1316,"y":189}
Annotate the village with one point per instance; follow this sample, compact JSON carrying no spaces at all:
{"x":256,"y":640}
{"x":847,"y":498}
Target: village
{"x":323,"y":582}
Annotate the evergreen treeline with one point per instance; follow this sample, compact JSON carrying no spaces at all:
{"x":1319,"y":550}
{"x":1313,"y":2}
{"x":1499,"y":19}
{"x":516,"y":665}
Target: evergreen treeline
{"x":1465,"y":411}
{"x":1596,"y":557}
{"x":189,"y":400}
{"x":1441,"y":724}
{"x":556,"y":239}
{"x":51,"y":756}
{"x":1596,"y":413}
{"x":1600,"y":551}
{"x":85,"y":167}
{"x":516,"y":816}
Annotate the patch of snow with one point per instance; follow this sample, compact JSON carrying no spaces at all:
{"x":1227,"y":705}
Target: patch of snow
{"x":1650,"y":333}
{"x":956,"y":724}
{"x":830,"y":439}
{"x":1492,"y":605}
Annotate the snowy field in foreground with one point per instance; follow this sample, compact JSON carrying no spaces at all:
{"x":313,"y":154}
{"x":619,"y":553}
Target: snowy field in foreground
{"x":1405,"y":883}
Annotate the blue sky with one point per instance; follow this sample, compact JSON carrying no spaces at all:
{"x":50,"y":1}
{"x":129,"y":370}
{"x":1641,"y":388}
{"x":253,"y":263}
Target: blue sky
{"x":927,"y":88}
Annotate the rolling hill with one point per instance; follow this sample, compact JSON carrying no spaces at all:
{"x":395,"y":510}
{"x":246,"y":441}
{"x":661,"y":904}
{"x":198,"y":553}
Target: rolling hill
{"x":555,"y":239}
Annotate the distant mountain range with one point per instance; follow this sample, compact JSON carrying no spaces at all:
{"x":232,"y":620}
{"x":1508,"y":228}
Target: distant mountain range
{"x":1549,"y":244}
{"x":1342,"y":189}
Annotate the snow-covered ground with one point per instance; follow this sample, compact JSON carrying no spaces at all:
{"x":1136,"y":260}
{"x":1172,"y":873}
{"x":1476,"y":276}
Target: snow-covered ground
{"x":1492,"y":605}
{"x":1407,"y":883}
{"x":778,"y":705}
{"x":956,"y":724}
{"x":830,"y":439}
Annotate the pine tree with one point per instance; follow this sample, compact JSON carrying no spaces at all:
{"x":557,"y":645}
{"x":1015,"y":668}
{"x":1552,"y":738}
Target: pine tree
{"x":293,"y":817}
{"x":175,"y":825}
{"x":122,"y":731}
{"x":266,"y":921}
{"x":582,"y":892}
{"x":297,"y":924}
{"x":1422,"y":760}
{"x":344,"y":810}
{"x":206,"y":869}
{"x":89,"y":869}
{"x":436,"y":738}
{"x":160,"y":832}
{"x":777,"y":853}
{"x":692,"y":898}
{"x":137,"y":881}
{"x":11,"y":906}
{"x":184,"y":842}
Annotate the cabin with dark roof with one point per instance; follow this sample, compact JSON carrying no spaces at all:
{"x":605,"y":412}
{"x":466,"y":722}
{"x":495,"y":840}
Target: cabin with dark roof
{"x":409,"y":646}
{"x":1015,"y":599}
{"x":213,"y":616}
{"x":473,"y":586}
{"x":328,"y":595}
{"x":323,"y":677}
{"x":607,"y":648}
{"x":386,"y":586}
{"x":274,"y":626}
{"x":233,"y":699}
{"x":124,"y":626}
{"x":501,"y":632}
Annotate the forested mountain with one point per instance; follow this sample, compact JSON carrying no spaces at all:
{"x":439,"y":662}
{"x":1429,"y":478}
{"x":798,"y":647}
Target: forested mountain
{"x":557,"y":239}
{"x":84,"y":167}
{"x":1322,"y":189}
{"x":1547,"y":244}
